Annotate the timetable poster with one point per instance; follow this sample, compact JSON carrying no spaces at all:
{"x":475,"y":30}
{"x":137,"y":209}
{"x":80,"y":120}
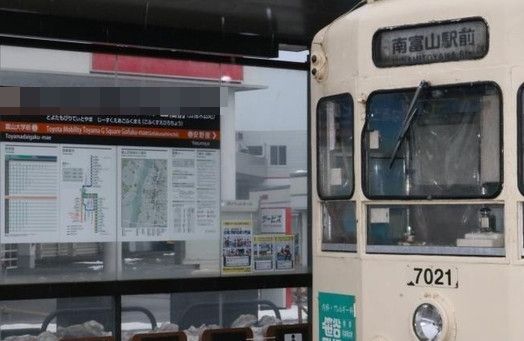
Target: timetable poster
{"x":105,"y":178}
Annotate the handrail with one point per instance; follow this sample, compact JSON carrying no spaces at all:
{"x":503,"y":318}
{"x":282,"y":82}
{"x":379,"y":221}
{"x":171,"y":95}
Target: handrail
{"x":57,"y":313}
{"x":267,"y":303}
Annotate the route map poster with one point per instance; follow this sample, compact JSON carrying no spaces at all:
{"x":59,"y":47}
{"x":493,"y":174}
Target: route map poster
{"x":104,"y":178}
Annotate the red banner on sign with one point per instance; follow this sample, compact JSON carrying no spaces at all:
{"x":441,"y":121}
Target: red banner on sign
{"x":110,"y":63}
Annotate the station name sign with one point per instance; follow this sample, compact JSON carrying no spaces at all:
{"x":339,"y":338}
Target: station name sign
{"x":431,"y":43}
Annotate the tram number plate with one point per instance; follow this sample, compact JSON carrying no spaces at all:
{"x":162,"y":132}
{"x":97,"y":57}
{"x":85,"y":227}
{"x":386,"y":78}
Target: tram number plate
{"x":432,"y":276}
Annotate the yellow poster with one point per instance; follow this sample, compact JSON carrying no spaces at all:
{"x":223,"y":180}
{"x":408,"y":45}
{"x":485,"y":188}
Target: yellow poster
{"x":237,"y":243}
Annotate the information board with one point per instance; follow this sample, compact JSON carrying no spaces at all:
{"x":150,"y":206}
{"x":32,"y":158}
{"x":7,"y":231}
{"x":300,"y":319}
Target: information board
{"x":436,"y":42}
{"x":105,"y":178}
{"x":336,"y":317}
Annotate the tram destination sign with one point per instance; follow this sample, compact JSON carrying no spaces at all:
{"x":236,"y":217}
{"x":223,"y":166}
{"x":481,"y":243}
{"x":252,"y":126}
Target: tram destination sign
{"x":431,"y":43}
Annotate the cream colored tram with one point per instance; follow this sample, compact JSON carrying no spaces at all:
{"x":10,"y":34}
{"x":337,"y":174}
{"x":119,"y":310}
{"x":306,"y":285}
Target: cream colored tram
{"x":417,"y":116}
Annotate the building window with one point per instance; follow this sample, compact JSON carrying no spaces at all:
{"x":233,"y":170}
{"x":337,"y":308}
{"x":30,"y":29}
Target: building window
{"x":278,"y":155}
{"x":255,"y":150}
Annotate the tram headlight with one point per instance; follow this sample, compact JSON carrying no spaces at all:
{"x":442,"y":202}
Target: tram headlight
{"x":427,"y":322}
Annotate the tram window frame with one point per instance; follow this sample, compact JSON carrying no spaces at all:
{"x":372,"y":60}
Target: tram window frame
{"x":520,"y":158}
{"x":520,"y":138}
{"x":351,"y":106}
{"x":388,"y":239}
{"x":364,"y":169}
{"x":339,"y":226}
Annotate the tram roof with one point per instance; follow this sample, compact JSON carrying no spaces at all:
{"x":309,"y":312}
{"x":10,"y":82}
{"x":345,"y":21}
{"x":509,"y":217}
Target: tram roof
{"x":349,"y":41}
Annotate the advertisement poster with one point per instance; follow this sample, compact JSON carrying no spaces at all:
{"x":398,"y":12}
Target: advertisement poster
{"x":337,"y":317}
{"x":237,"y":246}
{"x":263,"y":254}
{"x":285,"y":256}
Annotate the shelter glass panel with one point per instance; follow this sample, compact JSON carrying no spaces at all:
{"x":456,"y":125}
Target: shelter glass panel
{"x":194,"y":312}
{"x":228,"y":210}
{"x":60,"y":318}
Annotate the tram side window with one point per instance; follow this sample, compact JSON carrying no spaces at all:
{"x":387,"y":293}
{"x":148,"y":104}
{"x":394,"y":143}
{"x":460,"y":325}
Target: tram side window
{"x":447,"y":146}
{"x":335,"y":172}
{"x":474,"y":229}
{"x":339,"y":226}
{"x":335,"y":147}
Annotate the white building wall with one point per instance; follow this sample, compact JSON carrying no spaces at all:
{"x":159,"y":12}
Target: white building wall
{"x":281,"y":106}
{"x":44,"y":60}
{"x":296,"y":150}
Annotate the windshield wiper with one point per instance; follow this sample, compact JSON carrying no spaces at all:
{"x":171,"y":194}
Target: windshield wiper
{"x":408,"y":120}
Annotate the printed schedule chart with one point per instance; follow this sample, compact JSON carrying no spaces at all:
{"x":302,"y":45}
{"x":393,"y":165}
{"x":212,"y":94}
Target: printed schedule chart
{"x":30,"y":190}
{"x":107,"y":178}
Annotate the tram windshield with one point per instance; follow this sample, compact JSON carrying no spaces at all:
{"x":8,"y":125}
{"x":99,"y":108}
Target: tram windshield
{"x":433,"y":142}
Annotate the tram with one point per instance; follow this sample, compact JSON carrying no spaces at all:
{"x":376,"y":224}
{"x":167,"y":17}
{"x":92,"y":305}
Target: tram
{"x":417,"y":144}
